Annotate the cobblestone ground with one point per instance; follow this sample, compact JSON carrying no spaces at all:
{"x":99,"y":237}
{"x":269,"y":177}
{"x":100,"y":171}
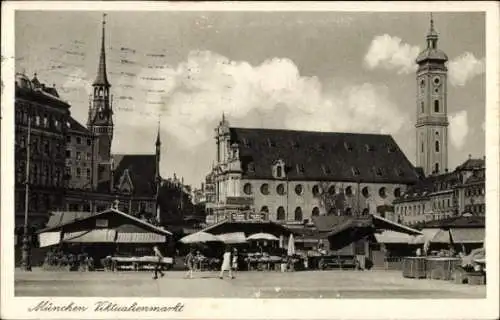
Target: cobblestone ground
{"x":305,"y":284}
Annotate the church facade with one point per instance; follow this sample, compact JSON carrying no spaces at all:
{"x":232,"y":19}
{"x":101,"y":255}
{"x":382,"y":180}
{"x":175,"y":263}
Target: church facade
{"x":291,"y":176}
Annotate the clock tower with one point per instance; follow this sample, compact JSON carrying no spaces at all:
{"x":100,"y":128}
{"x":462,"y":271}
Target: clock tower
{"x":432,"y":118}
{"x":100,"y":119}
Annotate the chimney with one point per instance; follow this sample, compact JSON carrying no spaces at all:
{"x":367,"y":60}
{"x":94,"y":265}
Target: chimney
{"x":470,"y":156}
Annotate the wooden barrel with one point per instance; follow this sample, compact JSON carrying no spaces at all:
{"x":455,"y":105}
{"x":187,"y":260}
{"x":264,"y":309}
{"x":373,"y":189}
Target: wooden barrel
{"x":414,"y":267}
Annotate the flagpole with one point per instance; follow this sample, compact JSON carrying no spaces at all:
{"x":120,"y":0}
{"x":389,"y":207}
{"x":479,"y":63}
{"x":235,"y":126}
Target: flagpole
{"x":25,"y":262}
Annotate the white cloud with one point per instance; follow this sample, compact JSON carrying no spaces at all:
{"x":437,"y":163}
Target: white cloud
{"x":273,"y":93}
{"x":391,"y":53}
{"x":465,"y":67}
{"x":459,"y":128}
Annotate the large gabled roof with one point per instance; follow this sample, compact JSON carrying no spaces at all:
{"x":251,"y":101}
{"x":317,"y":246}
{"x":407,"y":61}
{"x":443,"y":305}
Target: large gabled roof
{"x":74,"y":125}
{"x":72,"y":218}
{"x":323,"y":156}
{"x":140,"y":168}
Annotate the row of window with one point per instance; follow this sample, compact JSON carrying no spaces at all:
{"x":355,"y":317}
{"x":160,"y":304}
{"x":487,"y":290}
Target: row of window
{"x":436,"y":146}
{"x":39,"y":176}
{"x":44,"y":121}
{"x":476,"y":208}
{"x":320,"y":146}
{"x":318,"y":191}
{"x":40,"y":146}
{"x":436,"y":106}
{"x":298,"y":214}
{"x":474,"y":191}
{"x":78,"y":140}
{"x":78,"y":155}
{"x":78,"y":172}
{"x":418,"y":209}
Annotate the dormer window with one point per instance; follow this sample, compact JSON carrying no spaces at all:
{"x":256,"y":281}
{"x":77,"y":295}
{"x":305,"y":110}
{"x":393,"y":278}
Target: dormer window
{"x":348,"y":146}
{"x":279,"y":169}
{"x":271,"y":143}
{"x":295,"y":144}
{"x":326,"y":169}
{"x":399,"y":172}
{"x":246,"y":143}
{"x":378,"y":171}
{"x":355,"y":171}
{"x":300,"y":168}
{"x":251,"y":167}
{"x":369,"y":148}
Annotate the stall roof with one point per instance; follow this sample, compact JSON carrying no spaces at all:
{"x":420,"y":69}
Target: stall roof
{"x":390,"y":236}
{"x":70,"y":219}
{"x":467,"y":235}
{"x":247,"y":227}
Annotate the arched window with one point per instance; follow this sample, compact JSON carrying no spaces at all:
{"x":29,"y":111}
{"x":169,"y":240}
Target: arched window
{"x":315,"y":212}
{"x":397,"y":192}
{"x":331,"y":190}
{"x":298,"y":214}
{"x":264,"y":189}
{"x":437,"y":146}
{"x":280,"y":189}
{"x":382,"y":193}
{"x":247,"y":188}
{"x":436,"y":167}
{"x":279,"y":171}
{"x":264,"y":209}
{"x":280,"y":215}
{"x":299,"y":189}
{"x":422,"y":147}
{"x":365,"y":192}
{"x":348,"y":191}
{"x":365,"y":211}
{"x":316,"y":190}
{"x":436,"y":105}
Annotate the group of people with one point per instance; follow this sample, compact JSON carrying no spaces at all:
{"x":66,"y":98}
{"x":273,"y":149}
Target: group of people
{"x":229,"y":263}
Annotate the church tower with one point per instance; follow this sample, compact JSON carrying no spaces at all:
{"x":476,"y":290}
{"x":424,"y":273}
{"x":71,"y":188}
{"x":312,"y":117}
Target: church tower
{"x":100,"y":118}
{"x":432,"y":117}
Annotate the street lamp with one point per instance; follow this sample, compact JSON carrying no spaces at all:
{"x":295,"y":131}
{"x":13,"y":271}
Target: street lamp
{"x":26,"y":258}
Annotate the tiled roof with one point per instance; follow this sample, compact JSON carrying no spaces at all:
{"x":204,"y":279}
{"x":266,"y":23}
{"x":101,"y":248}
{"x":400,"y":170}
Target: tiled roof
{"x":475,"y":179}
{"x":141,"y":169}
{"x":76,"y":126}
{"x":429,"y":184}
{"x":322,"y":155}
{"x":471,"y":164}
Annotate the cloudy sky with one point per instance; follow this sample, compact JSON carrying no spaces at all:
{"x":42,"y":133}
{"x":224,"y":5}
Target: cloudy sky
{"x":327,"y":71}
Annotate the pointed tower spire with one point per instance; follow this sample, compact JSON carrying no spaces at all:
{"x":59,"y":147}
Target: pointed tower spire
{"x":432,"y":36}
{"x":158,"y":141}
{"x":102,"y":78}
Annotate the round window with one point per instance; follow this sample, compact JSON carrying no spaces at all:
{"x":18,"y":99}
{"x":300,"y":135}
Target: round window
{"x":247,"y":188}
{"x":280,"y":189}
{"x":382,"y":192}
{"x":436,"y":81}
{"x":348,"y":191}
{"x":365,"y":192}
{"x":299,"y":189}
{"x":264,"y":189}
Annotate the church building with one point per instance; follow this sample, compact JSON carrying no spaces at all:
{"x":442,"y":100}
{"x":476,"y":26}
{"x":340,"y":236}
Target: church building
{"x":130,"y":182}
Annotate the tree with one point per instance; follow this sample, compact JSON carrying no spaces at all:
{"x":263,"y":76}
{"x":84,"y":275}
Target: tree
{"x":330,"y":200}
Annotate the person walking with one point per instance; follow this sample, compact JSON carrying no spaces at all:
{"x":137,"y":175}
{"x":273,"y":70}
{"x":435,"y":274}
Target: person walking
{"x":189,"y":264}
{"x":159,"y":258}
{"x":226,"y":264}
{"x":234,"y":261}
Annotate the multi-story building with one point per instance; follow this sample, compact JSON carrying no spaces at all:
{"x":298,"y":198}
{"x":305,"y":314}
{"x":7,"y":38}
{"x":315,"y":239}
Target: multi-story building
{"x":294,"y":175}
{"x":446,"y":195}
{"x":40,"y":108}
{"x":79,"y":159}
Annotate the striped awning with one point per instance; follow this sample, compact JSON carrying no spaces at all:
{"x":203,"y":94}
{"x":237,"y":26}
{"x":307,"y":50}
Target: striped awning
{"x":49,"y":238}
{"x":442,"y":236}
{"x":91,"y":236}
{"x":467,"y":235}
{"x":140,"y":237}
{"x":390,"y":236}
{"x":232,"y":238}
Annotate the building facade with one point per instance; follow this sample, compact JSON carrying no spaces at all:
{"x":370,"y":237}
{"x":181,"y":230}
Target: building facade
{"x":79,"y":156}
{"x":432,"y":109}
{"x":40,"y":108}
{"x":295,"y":175}
{"x":438,"y":197}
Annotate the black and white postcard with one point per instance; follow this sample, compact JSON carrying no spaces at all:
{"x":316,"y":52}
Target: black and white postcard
{"x":249,"y":160}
